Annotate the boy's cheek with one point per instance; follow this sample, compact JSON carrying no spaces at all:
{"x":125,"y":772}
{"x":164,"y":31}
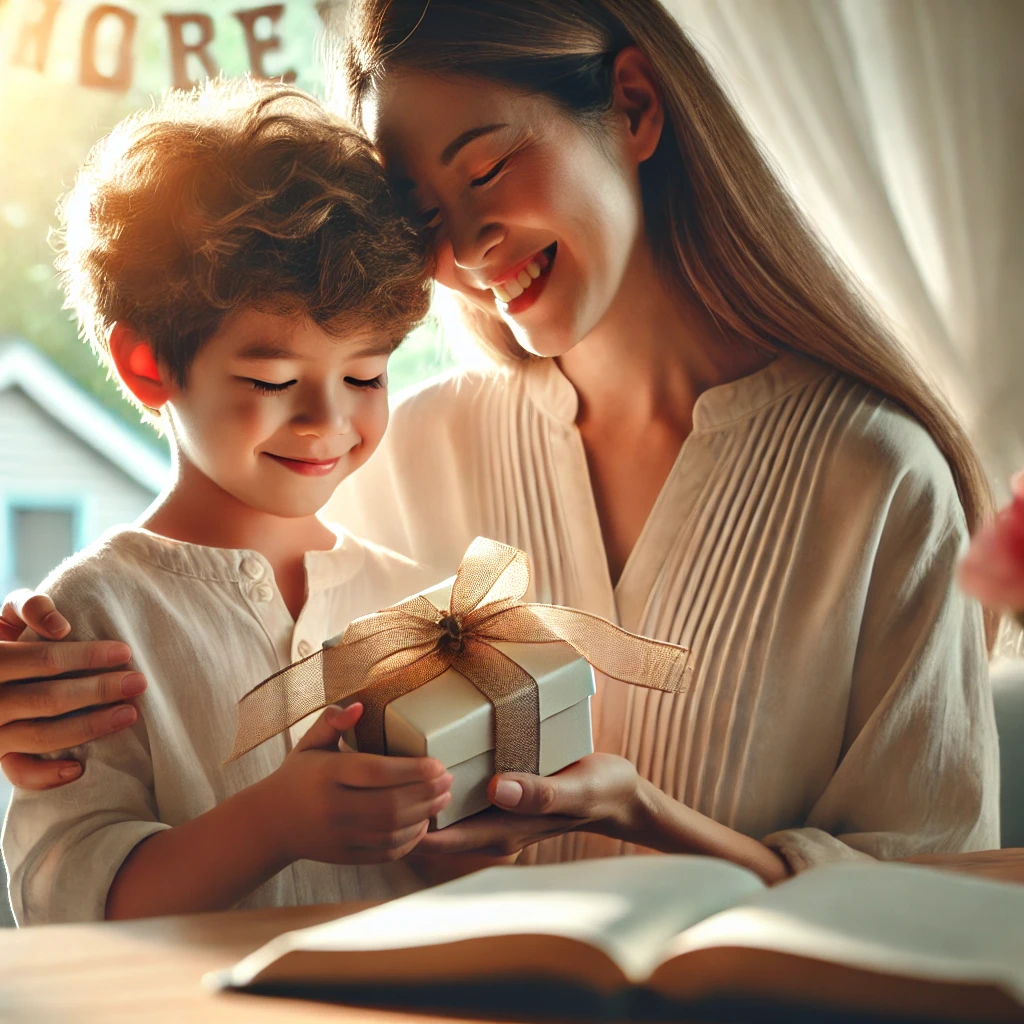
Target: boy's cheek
{"x":374,"y":422}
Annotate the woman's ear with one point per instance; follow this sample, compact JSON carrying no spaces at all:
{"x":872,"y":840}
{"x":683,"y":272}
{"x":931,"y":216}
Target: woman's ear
{"x":638,"y":96}
{"x":137,"y":366}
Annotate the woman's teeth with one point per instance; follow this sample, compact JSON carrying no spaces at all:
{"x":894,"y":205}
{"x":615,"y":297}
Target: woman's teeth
{"x":515,"y":286}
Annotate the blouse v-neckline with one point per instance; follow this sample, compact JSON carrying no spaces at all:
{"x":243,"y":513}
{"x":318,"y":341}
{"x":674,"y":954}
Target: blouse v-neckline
{"x":625,"y":601}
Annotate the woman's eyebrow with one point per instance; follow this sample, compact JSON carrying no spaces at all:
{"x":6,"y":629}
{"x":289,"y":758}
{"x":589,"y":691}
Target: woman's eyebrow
{"x":449,"y":153}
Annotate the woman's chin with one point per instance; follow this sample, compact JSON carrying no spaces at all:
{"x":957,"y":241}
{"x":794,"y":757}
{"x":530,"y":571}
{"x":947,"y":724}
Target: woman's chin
{"x":549,"y":344}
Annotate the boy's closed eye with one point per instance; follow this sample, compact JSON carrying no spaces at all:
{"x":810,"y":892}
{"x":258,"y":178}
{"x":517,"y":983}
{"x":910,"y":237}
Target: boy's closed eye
{"x":270,"y":388}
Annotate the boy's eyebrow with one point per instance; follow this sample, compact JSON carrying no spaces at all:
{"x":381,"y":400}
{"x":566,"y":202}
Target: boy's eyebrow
{"x":262,"y":350}
{"x":376,"y":347}
{"x":259,"y":350}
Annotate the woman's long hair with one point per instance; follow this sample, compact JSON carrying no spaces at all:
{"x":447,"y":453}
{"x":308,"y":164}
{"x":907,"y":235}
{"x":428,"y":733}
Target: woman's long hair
{"x":719,"y":222}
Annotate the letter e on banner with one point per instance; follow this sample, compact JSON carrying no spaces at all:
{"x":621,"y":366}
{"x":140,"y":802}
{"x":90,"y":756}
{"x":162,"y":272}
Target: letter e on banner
{"x":33,"y":46}
{"x":259,"y":48}
{"x":120,"y":79}
{"x":180,"y":50}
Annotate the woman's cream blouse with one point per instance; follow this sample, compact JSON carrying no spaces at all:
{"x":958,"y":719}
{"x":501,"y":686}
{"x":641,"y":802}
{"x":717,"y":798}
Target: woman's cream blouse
{"x":803,"y":546}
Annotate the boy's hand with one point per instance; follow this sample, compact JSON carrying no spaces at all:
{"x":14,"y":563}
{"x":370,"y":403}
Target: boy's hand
{"x":328,"y":803}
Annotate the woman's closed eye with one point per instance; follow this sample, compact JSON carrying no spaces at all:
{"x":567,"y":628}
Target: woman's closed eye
{"x":429,"y":219}
{"x":491,"y":174}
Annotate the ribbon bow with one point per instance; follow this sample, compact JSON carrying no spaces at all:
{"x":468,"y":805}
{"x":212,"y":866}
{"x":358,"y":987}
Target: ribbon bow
{"x":387,"y":654}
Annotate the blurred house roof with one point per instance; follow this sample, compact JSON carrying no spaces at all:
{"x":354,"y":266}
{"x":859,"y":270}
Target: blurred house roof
{"x":24,"y":367}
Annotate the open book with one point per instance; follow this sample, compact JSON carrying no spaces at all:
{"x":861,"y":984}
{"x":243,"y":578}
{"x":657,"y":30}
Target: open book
{"x":886,"y":938}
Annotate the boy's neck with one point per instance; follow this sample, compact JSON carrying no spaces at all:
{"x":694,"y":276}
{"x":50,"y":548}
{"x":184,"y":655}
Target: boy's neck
{"x":195,"y":510}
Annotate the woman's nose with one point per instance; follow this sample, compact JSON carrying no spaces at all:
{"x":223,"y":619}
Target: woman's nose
{"x":472,"y":243}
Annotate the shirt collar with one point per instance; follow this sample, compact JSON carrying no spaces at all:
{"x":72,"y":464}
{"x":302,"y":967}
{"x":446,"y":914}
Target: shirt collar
{"x":238,"y":565}
{"x":551,"y":392}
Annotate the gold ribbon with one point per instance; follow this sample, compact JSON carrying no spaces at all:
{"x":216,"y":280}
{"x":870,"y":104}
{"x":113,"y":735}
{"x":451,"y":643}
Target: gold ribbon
{"x":387,"y":654}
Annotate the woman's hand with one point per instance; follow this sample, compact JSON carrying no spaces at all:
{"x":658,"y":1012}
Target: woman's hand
{"x":600,"y":793}
{"x":42,"y":682}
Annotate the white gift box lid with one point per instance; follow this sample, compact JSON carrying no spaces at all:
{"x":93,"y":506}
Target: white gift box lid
{"x":450,"y":719}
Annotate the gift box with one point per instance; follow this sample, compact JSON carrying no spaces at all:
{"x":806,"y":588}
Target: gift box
{"x":470,"y":673}
{"x":449,"y":719}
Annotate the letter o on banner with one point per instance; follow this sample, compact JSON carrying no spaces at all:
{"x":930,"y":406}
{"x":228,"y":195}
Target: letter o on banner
{"x":120,"y":79}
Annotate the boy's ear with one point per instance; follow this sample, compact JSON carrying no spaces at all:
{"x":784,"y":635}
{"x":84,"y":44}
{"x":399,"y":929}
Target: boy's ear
{"x":137,"y":366}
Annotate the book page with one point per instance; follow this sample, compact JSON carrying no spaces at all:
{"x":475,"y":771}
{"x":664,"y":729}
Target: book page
{"x":626,"y":907}
{"x":890,"y":918}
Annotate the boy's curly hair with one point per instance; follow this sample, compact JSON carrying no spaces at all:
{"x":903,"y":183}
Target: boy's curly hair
{"x":238,"y":194}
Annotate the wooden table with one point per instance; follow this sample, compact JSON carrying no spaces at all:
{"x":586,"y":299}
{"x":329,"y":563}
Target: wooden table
{"x":151,"y":970}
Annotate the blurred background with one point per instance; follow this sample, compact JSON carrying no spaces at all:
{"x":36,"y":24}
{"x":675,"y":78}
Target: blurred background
{"x":898,"y":124}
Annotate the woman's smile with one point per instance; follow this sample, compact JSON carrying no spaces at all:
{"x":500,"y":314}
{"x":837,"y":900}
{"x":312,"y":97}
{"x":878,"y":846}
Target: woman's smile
{"x":519,"y":288}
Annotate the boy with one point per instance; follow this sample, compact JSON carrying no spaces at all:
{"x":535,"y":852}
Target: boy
{"x":235,"y":257}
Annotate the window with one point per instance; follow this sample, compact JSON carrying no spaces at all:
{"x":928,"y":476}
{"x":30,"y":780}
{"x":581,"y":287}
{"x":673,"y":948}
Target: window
{"x":41,"y":538}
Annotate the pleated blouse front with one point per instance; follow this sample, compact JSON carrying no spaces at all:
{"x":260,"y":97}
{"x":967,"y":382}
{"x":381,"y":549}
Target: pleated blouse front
{"x":803,"y":547}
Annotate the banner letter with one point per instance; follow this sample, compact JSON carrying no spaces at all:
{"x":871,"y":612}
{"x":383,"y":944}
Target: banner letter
{"x":259,"y":48}
{"x":33,"y":46}
{"x":120,"y":79}
{"x":180,"y":50}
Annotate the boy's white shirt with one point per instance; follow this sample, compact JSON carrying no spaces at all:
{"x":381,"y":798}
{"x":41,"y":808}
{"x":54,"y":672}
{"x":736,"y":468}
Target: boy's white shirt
{"x":205,"y":625}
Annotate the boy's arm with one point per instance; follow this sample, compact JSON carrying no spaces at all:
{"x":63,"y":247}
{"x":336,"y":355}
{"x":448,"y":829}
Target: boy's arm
{"x":63,"y":846}
{"x":209,"y":863}
{"x":321,"y":804}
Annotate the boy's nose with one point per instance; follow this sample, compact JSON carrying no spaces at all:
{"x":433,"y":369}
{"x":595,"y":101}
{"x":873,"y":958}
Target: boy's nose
{"x":323,"y":416}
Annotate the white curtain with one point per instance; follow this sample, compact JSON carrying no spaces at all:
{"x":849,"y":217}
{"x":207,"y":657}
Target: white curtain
{"x":899,"y":125}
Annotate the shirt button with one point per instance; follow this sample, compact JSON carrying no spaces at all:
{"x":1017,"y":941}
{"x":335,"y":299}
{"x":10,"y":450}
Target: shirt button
{"x":251,"y":567}
{"x":263,"y":593}
{"x":305,"y":649}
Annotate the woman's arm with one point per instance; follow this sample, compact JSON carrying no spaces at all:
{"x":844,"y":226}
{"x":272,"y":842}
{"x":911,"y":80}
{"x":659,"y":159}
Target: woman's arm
{"x":42,"y":682}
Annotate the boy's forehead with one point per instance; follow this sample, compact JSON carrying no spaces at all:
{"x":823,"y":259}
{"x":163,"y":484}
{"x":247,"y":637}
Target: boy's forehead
{"x":258,"y":334}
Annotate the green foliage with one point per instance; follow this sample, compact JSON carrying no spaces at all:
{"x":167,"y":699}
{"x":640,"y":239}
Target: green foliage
{"x":47,"y":124}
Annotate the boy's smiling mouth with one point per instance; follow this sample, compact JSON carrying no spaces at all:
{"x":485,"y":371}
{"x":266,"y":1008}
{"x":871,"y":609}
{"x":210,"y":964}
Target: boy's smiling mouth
{"x":306,"y":467}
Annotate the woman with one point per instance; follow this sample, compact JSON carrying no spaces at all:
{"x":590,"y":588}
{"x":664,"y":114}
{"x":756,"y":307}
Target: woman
{"x":696,"y":430}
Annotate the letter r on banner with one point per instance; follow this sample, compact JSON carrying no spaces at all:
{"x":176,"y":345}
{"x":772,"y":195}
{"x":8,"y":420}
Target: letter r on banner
{"x":180,"y":50}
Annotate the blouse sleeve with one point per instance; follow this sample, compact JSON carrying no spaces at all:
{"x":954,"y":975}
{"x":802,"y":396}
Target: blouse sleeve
{"x":64,"y":846}
{"x":919,"y":769}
